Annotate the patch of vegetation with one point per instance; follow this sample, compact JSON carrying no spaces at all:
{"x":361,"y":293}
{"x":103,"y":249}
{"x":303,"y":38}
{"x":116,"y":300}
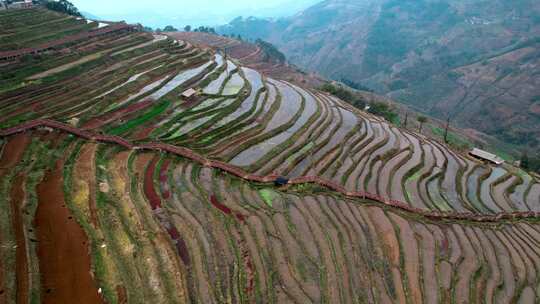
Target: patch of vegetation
{"x":398,"y":84}
{"x":345,"y":95}
{"x":271,"y":53}
{"x":355,"y":85}
{"x":154,"y":112}
{"x":268,"y":196}
{"x":384,"y":110}
{"x":62,"y":6}
{"x":453,"y":139}
{"x":530,"y":163}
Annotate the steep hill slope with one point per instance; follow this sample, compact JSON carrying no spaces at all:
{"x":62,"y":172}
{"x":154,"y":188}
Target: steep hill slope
{"x":115,"y":187}
{"x":475,"y":61}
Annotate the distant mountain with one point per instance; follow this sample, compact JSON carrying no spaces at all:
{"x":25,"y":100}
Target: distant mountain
{"x":475,"y":61}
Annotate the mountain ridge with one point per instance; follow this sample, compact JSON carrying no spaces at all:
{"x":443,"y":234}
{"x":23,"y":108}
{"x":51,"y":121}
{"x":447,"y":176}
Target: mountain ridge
{"x":449,"y":59}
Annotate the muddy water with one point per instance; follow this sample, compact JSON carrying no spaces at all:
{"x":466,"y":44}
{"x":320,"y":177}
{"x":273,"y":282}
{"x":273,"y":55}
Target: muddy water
{"x":234,"y":85}
{"x":348,"y":122}
{"x":179,"y":80}
{"x":64,"y":260}
{"x":256,"y":85}
{"x":485,"y":190}
{"x":396,"y":191}
{"x":517,"y":196}
{"x":290,"y":96}
{"x":143,"y":91}
{"x":533,"y":198}
{"x":130,"y":80}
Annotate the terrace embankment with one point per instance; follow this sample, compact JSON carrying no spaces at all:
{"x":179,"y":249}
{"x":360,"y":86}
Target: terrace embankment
{"x":194,"y":156}
{"x":64,"y":260}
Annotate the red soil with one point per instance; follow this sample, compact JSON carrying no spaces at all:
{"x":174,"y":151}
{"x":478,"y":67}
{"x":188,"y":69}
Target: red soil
{"x":226,"y":210}
{"x":149,"y":190}
{"x":21,"y":265}
{"x":64,"y":261}
{"x":155,"y":204}
{"x":11,"y":155}
{"x":121,"y":294}
{"x":246,"y":259}
{"x":13,"y":152}
{"x":165,"y":191}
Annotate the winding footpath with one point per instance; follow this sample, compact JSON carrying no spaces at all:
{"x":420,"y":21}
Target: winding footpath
{"x":189,"y":154}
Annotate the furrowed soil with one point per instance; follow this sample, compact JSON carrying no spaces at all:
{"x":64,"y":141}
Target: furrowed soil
{"x":64,"y":260}
{"x":17,"y":200}
{"x":11,"y":155}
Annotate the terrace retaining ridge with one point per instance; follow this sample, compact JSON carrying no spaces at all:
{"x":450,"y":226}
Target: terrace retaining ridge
{"x":187,"y":153}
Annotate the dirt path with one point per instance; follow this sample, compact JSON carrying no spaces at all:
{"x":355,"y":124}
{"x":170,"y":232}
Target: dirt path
{"x":239,"y":172}
{"x":66,"y":66}
{"x":64,"y":260}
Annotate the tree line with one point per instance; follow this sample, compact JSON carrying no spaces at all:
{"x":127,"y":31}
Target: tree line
{"x":187,"y":28}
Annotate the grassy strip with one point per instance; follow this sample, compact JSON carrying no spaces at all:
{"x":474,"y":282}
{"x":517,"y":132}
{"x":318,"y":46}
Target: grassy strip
{"x":115,"y":234}
{"x":100,"y":267}
{"x":148,"y":115}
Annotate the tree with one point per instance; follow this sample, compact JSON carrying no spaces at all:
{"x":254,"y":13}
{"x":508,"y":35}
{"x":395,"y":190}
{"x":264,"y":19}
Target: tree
{"x":170,"y":28}
{"x":406,"y":119}
{"x":524,"y":161}
{"x":422,"y":120}
{"x":446,"y":129}
{"x":384,"y":110}
{"x":187,"y":28}
{"x":63,"y":6}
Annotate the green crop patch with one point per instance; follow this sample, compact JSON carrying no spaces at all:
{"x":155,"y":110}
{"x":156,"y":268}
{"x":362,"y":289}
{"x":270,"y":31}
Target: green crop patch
{"x":152,"y":113}
{"x":268,"y":196}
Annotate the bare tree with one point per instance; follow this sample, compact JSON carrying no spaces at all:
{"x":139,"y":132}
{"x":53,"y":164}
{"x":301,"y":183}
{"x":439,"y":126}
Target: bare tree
{"x":422,"y":120}
{"x":446,"y":129}
{"x":406,"y":119}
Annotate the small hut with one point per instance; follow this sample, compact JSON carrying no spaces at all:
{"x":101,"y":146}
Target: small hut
{"x":189,"y":94}
{"x":483,"y":155}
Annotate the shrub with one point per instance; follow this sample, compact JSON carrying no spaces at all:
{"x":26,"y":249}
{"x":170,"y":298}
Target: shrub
{"x":345,"y":95}
{"x":384,"y":110}
{"x":271,"y":52}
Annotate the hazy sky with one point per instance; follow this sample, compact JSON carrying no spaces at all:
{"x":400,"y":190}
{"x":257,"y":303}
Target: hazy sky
{"x":158,"y":13}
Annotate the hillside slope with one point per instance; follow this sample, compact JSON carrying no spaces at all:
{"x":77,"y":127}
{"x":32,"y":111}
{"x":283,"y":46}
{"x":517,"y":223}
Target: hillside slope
{"x":115,"y":187}
{"x":475,"y":61}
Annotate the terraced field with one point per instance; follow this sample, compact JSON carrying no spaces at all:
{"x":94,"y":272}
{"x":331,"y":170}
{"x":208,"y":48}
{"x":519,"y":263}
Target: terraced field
{"x":114,"y":188}
{"x":250,"y":55}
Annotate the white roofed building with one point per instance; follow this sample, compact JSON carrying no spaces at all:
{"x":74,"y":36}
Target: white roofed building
{"x":483,"y":155}
{"x":189,"y":94}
